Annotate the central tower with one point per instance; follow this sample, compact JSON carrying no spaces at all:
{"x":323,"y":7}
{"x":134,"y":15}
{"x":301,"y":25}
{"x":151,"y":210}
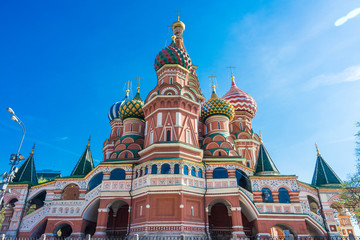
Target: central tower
{"x":172,"y":108}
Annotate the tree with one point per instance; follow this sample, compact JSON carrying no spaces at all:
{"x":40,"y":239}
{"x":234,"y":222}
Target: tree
{"x":350,"y":195}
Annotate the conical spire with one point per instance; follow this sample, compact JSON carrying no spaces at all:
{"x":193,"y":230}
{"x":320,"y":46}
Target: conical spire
{"x":27,"y":171}
{"x":323,"y":174}
{"x":85,"y":163}
{"x":264,"y":164}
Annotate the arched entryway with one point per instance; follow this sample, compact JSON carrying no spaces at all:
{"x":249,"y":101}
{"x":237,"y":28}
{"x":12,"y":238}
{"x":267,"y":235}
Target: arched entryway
{"x":90,"y":217}
{"x":117,"y":219}
{"x":220,"y":220}
{"x":282,"y":231}
{"x":62,"y":231}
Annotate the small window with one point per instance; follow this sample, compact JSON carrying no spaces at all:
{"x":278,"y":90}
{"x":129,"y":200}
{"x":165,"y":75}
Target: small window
{"x":219,"y":153}
{"x":284,"y":196}
{"x":154,"y":169}
{"x":176,"y":169}
{"x":267,"y":195}
{"x":247,"y":164}
{"x":165,"y":169}
{"x":146,"y":170}
{"x":186,"y":170}
{"x":131,"y":128}
{"x":200,"y":173}
{"x":193,"y":173}
{"x":168,"y":135}
{"x":219,"y":127}
{"x":118,"y":131}
{"x":140,"y":210}
{"x":126,"y":155}
{"x":220,"y":173}
{"x":192,"y":211}
{"x":171,"y":80}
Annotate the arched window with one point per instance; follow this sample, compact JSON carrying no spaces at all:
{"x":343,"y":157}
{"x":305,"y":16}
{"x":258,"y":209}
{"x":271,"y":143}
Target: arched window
{"x":284,"y":196}
{"x":95,"y":181}
{"x":220,"y":172}
{"x":126,"y":155}
{"x":171,"y":80}
{"x":168,"y":135}
{"x":193,"y":173}
{"x":117,"y":174}
{"x":267,"y":196}
{"x":243,"y":180}
{"x":154,"y":169}
{"x":146,"y":170}
{"x":136,"y":174}
{"x":176,"y":169}
{"x":186,"y":170}
{"x":247,"y":164}
{"x":200,"y":173}
{"x":314,"y":207}
{"x":131,"y":128}
{"x":219,"y":154}
{"x":219,"y":127}
{"x":165,"y":169}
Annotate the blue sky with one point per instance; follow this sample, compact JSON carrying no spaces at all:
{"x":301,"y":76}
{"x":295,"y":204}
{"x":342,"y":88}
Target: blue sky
{"x":64,"y":63}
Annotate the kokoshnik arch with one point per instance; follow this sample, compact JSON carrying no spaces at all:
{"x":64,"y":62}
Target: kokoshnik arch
{"x":177,"y":164}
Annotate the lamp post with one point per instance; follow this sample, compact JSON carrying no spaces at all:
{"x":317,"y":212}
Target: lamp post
{"x":14,"y":158}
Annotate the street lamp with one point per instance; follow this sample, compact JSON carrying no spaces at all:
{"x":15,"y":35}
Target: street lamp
{"x":14,"y":158}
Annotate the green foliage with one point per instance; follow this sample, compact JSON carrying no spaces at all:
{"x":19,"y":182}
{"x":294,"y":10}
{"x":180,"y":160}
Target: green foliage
{"x":2,"y":215}
{"x":350,"y":195}
{"x":31,"y":209}
{"x":42,"y":180}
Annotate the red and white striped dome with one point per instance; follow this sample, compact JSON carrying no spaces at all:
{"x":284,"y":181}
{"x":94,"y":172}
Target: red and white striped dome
{"x":241,"y":101}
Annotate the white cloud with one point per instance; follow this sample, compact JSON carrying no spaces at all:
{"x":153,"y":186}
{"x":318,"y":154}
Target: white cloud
{"x":62,"y":138}
{"x":350,"y":15}
{"x":350,"y":74}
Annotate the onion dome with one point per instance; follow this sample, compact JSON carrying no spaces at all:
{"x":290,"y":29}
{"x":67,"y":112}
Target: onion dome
{"x":172,"y":55}
{"x":241,"y":101}
{"x":114,"y":110}
{"x":216,"y":106}
{"x":133,"y":108}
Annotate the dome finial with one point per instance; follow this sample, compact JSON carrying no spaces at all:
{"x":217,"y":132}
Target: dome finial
{"x":317,"y":149}
{"x":128,"y":88}
{"x":33,"y":148}
{"x":232,"y":74}
{"x":213,"y":95}
{"x":88,"y":145}
{"x":138,"y":87}
{"x":178,"y":15}
{"x":260,"y":137}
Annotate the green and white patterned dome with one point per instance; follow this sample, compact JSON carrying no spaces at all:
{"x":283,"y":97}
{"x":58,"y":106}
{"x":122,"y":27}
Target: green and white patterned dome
{"x":217,"y":106}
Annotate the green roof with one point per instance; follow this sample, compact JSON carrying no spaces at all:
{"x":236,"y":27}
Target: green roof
{"x":323,"y":174}
{"x":264,"y":164}
{"x":27,"y":172}
{"x":85,"y":163}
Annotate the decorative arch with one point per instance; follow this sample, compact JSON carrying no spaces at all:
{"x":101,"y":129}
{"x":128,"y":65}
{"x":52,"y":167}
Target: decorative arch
{"x":118,"y":174}
{"x":71,"y":192}
{"x":243,"y":180}
{"x":220,"y":172}
{"x":95,"y":181}
{"x":172,"y":90}
{"x":220,"y":153}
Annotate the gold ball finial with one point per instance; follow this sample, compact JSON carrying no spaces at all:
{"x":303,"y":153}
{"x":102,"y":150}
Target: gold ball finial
{"x":260,"y":137}
{"x":317,"y":149}
{"x":173,"y":37}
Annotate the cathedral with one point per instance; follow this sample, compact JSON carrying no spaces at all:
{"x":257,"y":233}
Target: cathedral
{"x":177,"y":166}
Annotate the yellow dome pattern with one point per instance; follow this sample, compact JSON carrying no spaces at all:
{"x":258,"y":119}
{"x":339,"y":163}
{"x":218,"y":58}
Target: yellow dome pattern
{"x":132,"y":109}
{"x":217,"y":106}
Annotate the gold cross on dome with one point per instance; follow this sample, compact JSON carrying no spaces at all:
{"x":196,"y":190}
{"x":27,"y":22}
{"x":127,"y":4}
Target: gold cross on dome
{"x":138,"y":78}
{"x":128,"y":87}
{"x":178,"y":15}
{"x":231,"y":71}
